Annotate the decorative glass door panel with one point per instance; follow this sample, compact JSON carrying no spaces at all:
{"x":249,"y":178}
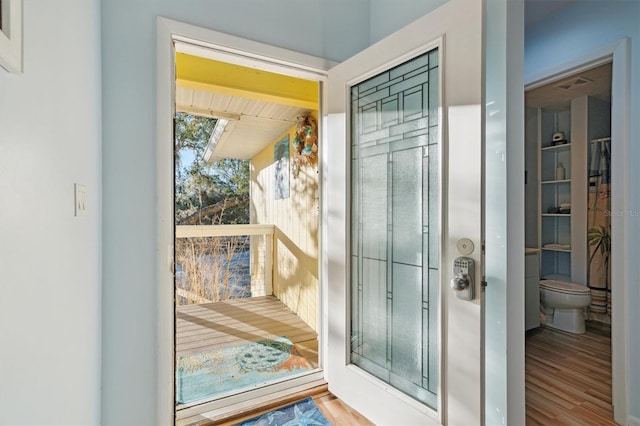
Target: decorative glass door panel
{"x":395,"y":226}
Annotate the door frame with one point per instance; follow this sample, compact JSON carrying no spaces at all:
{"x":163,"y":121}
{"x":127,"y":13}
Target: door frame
{"x":618,"y":54}
{"x":224,"y":47}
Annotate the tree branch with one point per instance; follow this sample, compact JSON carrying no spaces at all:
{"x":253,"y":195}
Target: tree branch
{"x":196,"y":218}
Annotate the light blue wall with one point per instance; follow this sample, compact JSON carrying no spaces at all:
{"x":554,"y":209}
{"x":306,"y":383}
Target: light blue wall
{"x":388,"y":16}
{"x":575,"y":31}
{"x":50,"y":296}
{"x":331,"y":29}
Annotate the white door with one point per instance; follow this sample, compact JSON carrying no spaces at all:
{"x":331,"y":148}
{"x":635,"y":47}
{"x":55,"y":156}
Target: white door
{"x":402,"y":187}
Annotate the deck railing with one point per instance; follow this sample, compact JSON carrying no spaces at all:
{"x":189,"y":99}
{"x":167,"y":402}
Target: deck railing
{"x":217,"y":262}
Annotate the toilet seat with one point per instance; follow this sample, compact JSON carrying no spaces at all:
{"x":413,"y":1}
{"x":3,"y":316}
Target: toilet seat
{"x":564,"y":287}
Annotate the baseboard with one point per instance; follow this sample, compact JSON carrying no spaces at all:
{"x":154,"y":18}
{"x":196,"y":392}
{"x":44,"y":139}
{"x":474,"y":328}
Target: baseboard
{"x":633,"y":421}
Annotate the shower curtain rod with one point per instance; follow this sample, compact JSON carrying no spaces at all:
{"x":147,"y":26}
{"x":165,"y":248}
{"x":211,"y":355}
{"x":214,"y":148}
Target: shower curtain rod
{"x":601,"y":140}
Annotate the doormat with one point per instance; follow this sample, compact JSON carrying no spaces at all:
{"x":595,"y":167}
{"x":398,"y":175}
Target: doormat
{"x":303,"y":412}
{"x":207,"y":374}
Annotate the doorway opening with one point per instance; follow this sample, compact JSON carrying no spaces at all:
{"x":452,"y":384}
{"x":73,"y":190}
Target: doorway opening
{"x":568,"y":286}
{"x":247,"y":296}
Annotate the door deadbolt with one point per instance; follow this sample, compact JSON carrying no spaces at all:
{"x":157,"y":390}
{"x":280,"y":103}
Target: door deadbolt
{"x":462,"y":281}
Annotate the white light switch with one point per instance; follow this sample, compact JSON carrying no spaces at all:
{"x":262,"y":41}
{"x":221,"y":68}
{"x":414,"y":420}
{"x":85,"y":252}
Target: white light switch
{"x":80,"y":199}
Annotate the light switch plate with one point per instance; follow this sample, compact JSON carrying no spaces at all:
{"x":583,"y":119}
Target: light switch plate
{"x":80,"y":199}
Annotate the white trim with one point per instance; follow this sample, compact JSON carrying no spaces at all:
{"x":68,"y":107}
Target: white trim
{"x":570,"y":67}
{"x":236,"y":50}
{"x":11,"y":43}
{"x":619,"y":53}
{"x":219,"y":46}
{"x":165,"y":82}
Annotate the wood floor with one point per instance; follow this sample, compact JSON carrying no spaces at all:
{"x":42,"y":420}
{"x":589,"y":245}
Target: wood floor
{"x":568,"y":377}
{"x":337,"y":412}
{"x":236,"y":322}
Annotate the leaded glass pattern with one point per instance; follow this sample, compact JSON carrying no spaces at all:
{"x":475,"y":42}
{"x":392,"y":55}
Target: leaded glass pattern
{"x":394,"y":226}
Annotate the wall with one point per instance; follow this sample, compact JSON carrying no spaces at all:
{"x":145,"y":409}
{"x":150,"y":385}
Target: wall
{"x":573,"y":32}
{"x":295,"y":269}
{"x":388,"y":16}
{"x":50,"y":296}
{"x":331,"y":29}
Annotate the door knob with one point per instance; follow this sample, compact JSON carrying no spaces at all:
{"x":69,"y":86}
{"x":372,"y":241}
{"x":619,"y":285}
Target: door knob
{"x":459,"y":282}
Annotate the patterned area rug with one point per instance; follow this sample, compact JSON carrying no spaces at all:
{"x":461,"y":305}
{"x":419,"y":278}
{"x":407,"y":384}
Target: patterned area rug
{"x":301,"y":413}
{"x":208,"y":374}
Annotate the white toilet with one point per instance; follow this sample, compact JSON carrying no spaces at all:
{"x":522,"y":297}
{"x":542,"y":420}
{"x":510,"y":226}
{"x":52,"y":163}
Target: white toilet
{"x":563,"y":305}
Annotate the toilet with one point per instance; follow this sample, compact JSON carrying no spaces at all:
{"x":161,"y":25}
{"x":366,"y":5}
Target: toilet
{"x":563,"y":305}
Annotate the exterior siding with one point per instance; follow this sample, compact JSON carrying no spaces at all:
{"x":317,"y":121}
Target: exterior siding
{"x":295,"y":266}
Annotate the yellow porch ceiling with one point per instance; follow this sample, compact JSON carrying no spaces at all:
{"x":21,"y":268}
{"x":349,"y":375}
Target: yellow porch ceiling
{"x":196,"y":73}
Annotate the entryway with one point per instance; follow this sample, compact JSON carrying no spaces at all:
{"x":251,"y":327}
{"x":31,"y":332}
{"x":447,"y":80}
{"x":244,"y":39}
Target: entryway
{"x":575,"y":138}
{"x":247,"y":287}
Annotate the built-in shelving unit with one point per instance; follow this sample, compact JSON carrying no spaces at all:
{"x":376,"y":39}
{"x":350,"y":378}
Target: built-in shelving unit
{"x":563,"y":133}
{"x":554,"y":191}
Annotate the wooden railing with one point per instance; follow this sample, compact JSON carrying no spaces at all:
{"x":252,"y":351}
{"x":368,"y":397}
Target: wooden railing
{"x":261,"y":269}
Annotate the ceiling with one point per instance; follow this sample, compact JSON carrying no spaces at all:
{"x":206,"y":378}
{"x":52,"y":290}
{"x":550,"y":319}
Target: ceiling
{"x":260,"y":106}
{"x":595,"y":82}
{"x":253,"y":124}
{"x":537,"y":10}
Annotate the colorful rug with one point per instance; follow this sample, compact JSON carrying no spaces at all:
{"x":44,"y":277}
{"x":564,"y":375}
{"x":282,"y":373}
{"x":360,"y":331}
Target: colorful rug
{"x":303,"y":412}
{"x":208,"y":374}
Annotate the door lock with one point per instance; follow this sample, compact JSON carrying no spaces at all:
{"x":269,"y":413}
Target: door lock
{"x":462,"y":281}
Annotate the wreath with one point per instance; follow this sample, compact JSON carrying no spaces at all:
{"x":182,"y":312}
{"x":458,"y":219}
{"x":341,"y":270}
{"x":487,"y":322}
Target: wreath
{"x":305,"y":143}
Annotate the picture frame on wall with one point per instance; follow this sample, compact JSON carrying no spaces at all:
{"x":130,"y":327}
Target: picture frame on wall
{"x":11,"y":35}
{"x":281,"y":161}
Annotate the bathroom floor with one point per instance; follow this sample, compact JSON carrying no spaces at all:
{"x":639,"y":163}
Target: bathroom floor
{"x":568,"y":376}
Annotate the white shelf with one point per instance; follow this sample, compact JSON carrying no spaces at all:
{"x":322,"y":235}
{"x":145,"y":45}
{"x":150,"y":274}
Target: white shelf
{"x":556,"y":148}
{"x":554,"y":249}
{"x":546,"y":182}
{"x":556,"y":214}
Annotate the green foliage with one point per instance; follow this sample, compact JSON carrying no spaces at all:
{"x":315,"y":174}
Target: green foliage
{"x":199,"y":185}
{"x":600,"y":239}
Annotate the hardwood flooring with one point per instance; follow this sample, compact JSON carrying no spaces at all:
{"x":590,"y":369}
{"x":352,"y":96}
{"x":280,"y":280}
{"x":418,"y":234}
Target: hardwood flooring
{"x":568,"y":377}
{"x":336,"y":411}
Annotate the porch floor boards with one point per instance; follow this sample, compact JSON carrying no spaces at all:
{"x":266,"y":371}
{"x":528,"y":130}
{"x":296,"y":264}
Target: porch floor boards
{"x":234,"y":322}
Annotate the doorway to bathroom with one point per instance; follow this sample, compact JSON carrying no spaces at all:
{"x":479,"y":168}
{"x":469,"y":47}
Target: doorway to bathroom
{"x":568,"y":286}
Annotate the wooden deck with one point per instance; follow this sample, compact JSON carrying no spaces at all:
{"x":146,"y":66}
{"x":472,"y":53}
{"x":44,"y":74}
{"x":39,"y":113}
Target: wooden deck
{"x":208,"y":326}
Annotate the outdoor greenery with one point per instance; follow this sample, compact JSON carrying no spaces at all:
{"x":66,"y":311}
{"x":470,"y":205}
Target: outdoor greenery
{"x":216,"y":193}
{"x":211,"y":268}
